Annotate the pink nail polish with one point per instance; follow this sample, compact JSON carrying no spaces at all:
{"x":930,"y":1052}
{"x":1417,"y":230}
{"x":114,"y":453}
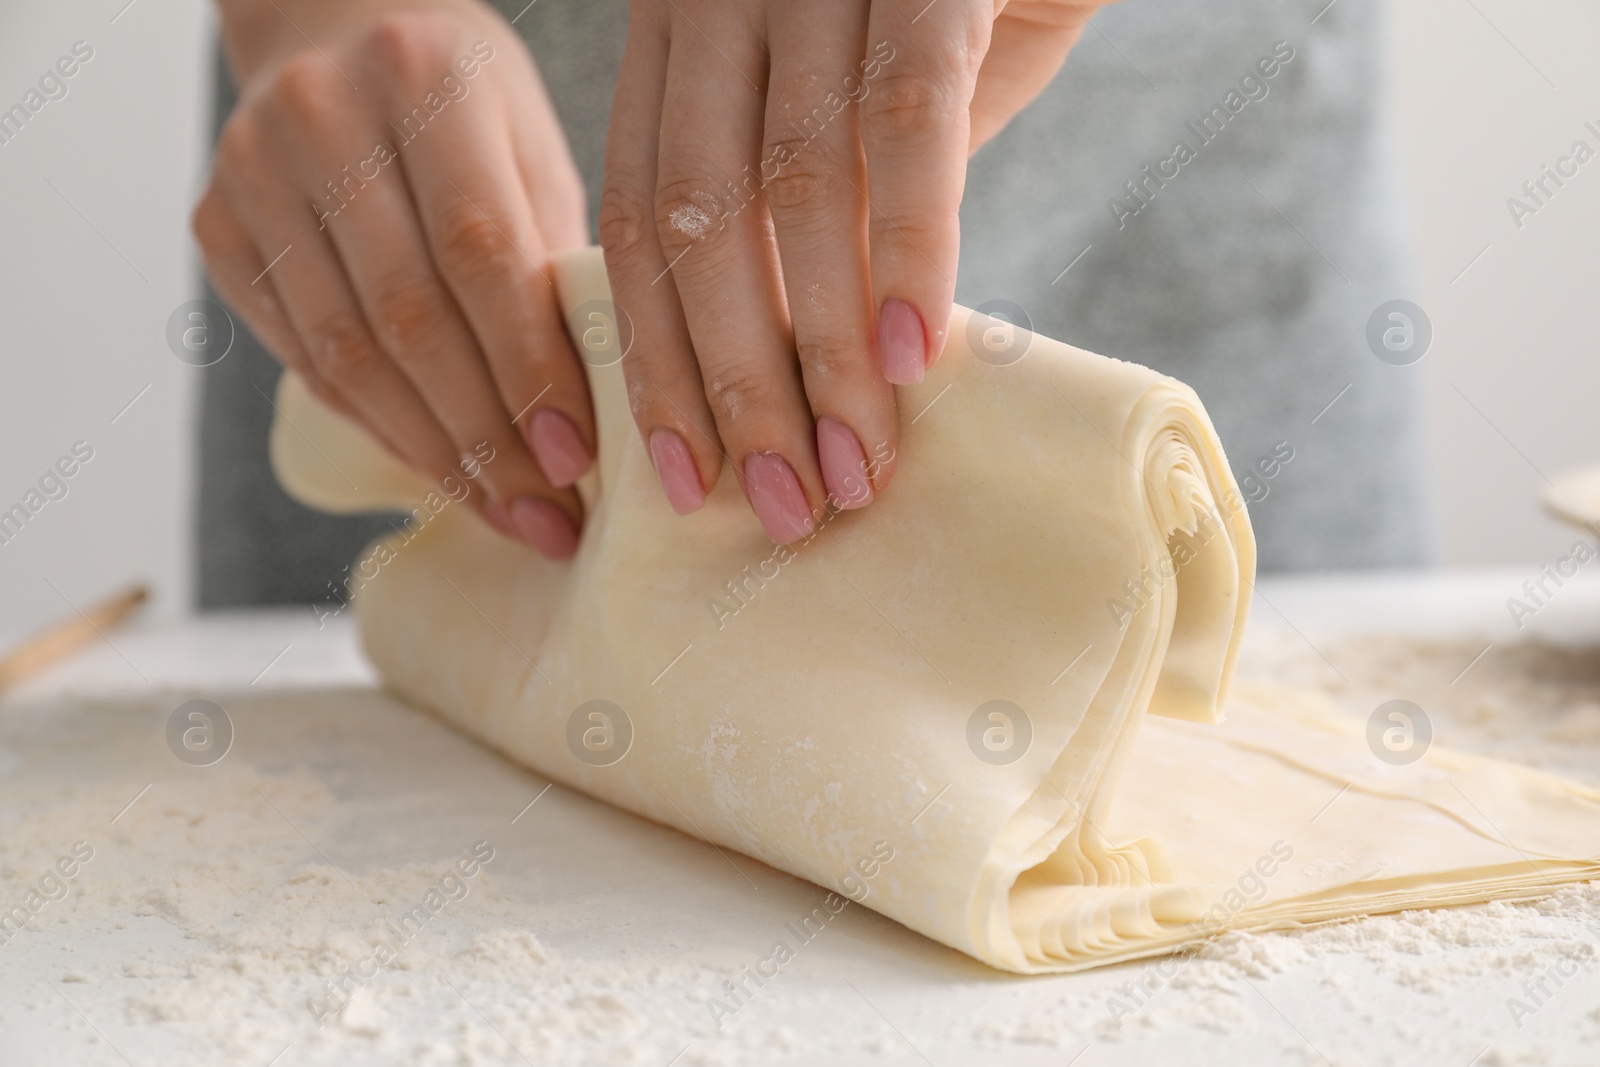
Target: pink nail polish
{"x":558,"y":447}
{"x":680,"y":479}
{"x":902,"y":344}
{"x":844,"y":465}
{"x":777,"y":498}
{"x":544,"y":526}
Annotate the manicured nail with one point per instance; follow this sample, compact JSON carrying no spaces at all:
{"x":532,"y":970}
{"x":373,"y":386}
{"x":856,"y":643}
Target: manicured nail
{"x":544,"y":526}
{"x":844,"y":465}
{"x":494,"y":513}
{"x":777,"y":498}
{"x":558,"y":447}
{"x":680,"y":479}
{"x":901,"y":343}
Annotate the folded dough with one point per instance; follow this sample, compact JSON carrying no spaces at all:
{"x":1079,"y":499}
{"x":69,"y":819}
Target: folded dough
{"x":955,"y":678}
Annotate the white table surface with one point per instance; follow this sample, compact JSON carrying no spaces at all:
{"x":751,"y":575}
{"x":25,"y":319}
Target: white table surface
{"x":606,"y":889}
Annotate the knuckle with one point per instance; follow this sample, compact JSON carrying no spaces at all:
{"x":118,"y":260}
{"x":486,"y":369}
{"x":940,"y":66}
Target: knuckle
{"x":908,"y":104}
{"x":622,"y":221}
{"x":343,"y":353}
{"x":919,"y":218}
{"x":641,"y":402}
{"x":319,"y":388}
{"x":406,"y":309}
{"x":205,"y":223}
{"x":513,"y":474}
{"x":502,"y":441}
{"x":687,"y":211}
{"x":471,"y":244}
{"x":503,"y":438}
{"x":411,"y":43}
{"x":906,"y":230}
{"x":737,"y":394}
{"x":829,"y":361}
{"x":239,"y":144}
{"x":302,"y":86}
{"x":648,"y":398}
{"x":648,"y":402}
{"x":807,"y":180}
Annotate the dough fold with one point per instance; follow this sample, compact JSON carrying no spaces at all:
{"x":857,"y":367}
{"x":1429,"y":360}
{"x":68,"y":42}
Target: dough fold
{"x":937,"y":705}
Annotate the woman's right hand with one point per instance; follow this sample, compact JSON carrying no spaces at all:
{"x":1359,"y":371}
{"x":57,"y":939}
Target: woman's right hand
{"x":381,"y":211}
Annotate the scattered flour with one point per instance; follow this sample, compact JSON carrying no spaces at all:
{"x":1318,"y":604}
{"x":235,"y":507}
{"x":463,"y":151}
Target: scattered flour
{"x":1535,"y":702}
{"x":223,"y":930}
{"x":208,"y":919}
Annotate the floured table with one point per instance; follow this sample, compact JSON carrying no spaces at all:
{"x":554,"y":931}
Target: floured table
{"x":352,"y":863}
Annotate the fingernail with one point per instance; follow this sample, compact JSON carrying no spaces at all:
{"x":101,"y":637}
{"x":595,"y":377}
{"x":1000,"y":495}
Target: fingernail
{"x":777,"y":498}
{"x":680,"y":479}
{"x":902,"y":343}
{"x":558,"y":447}
{"x":494,"y":513}
{"x":844,"y":465}
{"x":544,"y":526}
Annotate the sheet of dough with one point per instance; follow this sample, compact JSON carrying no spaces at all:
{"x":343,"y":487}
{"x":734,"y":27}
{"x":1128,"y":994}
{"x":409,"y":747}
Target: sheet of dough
{"x":828,"y":717}
{"x":1574,"y":495}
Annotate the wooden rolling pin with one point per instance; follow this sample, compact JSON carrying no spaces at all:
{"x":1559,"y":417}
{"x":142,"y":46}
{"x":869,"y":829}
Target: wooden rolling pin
{"x":47,"y":646}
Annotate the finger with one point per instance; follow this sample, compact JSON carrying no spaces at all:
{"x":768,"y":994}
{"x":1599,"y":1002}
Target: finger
{"x":815,"y":173}
{"x":712,"y":222}
{"x":1027,"y":46}
{"x":240,"y":278}
{"x":418,"y":325}
{"x":559,"y":211}
{"x":321,"y":307}
{"x":481,"y":231}
{"x":321,"y":343}
{"x":664,"y":385}
{"x":915,"y":129}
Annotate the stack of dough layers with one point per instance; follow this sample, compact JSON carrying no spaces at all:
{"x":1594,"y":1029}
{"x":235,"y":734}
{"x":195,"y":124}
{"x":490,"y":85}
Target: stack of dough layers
{"x":1007,"y":674}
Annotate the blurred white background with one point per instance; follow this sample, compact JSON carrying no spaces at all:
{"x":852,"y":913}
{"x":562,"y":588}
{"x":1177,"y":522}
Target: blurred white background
{"x":1486,"y":92}
{"x":89,"y":271}
{"x":95,"y":254}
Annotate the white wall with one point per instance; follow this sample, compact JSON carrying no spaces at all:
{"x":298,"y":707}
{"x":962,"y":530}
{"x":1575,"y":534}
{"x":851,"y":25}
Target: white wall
{"x":1519,"y":334}
{"x":84,"y":299}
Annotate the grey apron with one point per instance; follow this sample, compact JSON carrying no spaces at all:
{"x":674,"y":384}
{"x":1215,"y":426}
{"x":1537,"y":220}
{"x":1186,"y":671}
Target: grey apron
{"x":1246,"y":263}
